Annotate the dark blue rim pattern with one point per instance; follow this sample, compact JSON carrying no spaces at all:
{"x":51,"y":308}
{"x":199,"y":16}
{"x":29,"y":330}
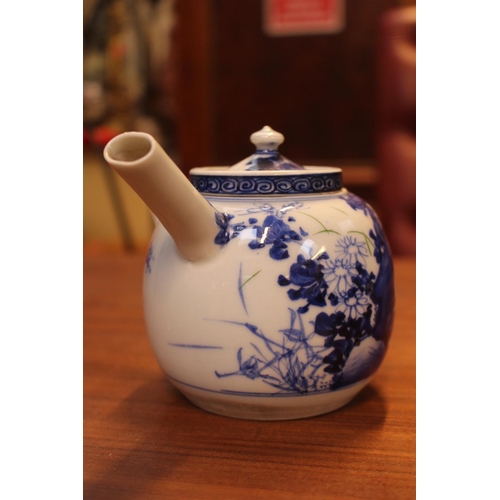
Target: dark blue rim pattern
{"x":267,"y":184}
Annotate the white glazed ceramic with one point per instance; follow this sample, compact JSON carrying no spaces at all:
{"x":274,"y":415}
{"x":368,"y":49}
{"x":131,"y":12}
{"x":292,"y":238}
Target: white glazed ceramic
{"x":275,"y":299}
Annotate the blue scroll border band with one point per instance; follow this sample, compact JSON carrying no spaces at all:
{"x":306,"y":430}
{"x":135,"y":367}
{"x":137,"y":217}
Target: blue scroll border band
{"x":267,"y":184}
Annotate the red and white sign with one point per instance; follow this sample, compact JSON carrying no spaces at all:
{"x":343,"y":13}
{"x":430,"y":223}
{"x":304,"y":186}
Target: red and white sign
{"x":303,"y":17}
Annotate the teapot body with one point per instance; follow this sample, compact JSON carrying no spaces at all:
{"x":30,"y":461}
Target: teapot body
{"x":290,"y":319}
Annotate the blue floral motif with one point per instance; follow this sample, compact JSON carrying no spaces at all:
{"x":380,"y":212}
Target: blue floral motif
{"x":269,"y":209}
{"x":353,"y":303}
{"x":308,"y":276}
{"x":380,"y":246}
{"x":339,"y":275}
{"x":359,"y":306}
{"x":355,"y":203}
{"x":351,"y":300}
{"x":276,"y":233}
{"x":342,"y":334}
{"x":350,"y":251}
{"x":227,"y":231}
{"x":383,"y":287}
{"x":224,"y":235}
{"x":293,"y":366}
{"x":251,"y":367}
{"x":273,"y":231}
{"x":363,"y":280}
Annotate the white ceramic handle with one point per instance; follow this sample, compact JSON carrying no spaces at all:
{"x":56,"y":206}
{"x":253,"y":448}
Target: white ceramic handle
{"x":267,"y":138}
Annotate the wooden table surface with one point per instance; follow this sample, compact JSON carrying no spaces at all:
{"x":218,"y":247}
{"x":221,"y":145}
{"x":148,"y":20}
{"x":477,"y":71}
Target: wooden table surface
{"x":143,"y":439}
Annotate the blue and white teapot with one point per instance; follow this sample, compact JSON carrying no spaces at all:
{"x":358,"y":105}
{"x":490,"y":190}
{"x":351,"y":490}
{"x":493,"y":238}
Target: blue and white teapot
{"x":268,"y":287}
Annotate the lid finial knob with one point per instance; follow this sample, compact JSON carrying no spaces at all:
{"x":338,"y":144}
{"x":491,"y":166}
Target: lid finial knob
{"x":267,"y":156}
{"x":267,"y":139}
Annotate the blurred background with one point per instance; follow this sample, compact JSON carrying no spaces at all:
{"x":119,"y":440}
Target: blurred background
{"x":336,"y":77}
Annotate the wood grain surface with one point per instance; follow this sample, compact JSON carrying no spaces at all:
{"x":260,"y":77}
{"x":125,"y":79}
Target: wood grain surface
{"x":144,"y":440}
{"x":319,"y":91}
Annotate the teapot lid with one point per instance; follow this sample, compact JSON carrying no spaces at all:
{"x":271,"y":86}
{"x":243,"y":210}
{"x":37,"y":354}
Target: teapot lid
{"x":266,"y":172}
{"x":266,"y":157}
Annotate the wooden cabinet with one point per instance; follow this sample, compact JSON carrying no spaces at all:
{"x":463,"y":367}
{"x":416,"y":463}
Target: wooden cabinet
{"x":318,"y":90}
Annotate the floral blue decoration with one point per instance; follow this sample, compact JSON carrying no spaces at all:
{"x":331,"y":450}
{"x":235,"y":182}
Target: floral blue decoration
{"x":308,"y":276}
{"x":357,"y":305}
{"x":383,"y":288}
{"x":292,"y":366}
{"x":350,"y":251}
{"x":274,"y":232}
{"x":227,"y":231}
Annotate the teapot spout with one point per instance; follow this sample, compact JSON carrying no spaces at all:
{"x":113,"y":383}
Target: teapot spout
{"x":181,"y":209}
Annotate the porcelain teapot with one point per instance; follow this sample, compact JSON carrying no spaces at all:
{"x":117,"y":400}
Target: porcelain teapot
{"x":268,"y":287}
